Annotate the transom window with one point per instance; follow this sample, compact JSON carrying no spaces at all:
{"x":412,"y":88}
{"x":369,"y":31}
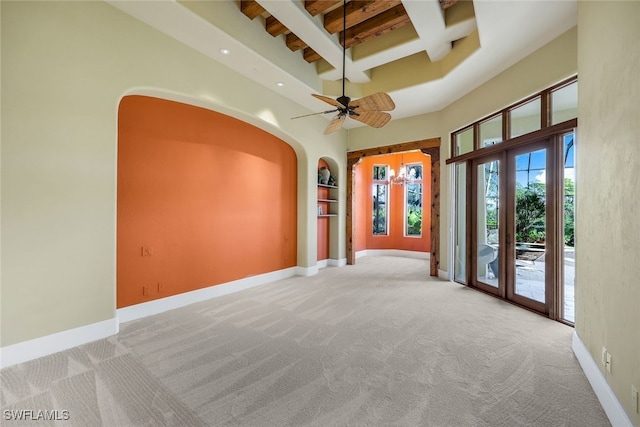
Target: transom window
{"x":552,"y":106}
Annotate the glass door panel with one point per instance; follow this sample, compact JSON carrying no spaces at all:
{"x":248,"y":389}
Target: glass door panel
{"x":515,"y":225}
{"x":460,"y":245}
{"x":569,"y":258}
{"x":487,"y":223}
{"x":530,"y":219}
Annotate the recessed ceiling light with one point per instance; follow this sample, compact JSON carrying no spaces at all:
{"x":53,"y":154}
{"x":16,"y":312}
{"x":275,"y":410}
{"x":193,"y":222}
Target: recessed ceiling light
{"x":279,"y":84}
{"x":225,"y":51}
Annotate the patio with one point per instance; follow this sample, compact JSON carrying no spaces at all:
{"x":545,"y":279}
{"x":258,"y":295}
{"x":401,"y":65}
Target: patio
{"x":530,"y":280}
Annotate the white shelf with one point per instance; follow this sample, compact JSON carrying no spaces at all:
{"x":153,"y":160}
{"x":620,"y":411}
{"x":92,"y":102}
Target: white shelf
{"x":328,"y":209}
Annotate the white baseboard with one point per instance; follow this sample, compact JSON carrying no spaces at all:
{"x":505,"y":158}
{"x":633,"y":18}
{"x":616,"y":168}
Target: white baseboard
{"x":54,"y":343}
{"x":332,"y":263}
{"x":150,"y":308}
{"x":612,"y":407}
{"x":444,"y":275}
{"x":44,"y":346}
{"x":306,"y":271}
{"x":337,"y":262}
{"x":393,"y":252}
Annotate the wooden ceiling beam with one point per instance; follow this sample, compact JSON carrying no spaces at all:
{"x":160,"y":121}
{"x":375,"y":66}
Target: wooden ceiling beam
{"x":444,"y":4}
{"x":251,"y":8}
{"x":294,"y":42}
{"x":310,"y":55}
{"x":275,"y":27}
{"x":357,"y":11}
{"x":378,"y":25}
{"x":316,"y":7}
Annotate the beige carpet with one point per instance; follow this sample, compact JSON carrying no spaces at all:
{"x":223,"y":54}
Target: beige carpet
{"x":375,"y":344}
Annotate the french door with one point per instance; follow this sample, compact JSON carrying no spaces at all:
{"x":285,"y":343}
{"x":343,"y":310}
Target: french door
{"x":515,"y":220}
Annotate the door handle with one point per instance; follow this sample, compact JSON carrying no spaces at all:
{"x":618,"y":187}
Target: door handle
{"x":508,"y":238}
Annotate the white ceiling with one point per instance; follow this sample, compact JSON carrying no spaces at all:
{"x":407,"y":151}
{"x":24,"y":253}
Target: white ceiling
{"x":507,"y":31}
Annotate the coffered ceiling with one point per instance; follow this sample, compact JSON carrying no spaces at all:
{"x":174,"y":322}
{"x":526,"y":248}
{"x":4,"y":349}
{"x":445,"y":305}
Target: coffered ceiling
{"x":424,"y":53}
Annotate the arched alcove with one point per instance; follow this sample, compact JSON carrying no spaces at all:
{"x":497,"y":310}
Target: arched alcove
{"x":329,"y":210}
{"x":202,"y":199}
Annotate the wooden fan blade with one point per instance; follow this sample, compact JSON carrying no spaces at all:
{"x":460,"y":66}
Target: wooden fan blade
{"x":327,"y":100}
{"x":315,"y":114}
{"x":376,"y":102}
{"x":375,"y":119}
{"x":335,"y":124}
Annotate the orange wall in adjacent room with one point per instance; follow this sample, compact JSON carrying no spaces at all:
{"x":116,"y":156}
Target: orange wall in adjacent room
{"x":203,"y":199}
{"x":365,"y":239}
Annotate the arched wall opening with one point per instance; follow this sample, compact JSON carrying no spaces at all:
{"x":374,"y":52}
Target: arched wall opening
{"x":328,"y":212}
{"x":203,"y":199}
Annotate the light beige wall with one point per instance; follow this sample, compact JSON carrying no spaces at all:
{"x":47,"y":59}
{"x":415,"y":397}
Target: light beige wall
{"x":548,"y":65}
{"x":607,"y":205}
{"x":65,"y":67}
{"x":397,"y":131}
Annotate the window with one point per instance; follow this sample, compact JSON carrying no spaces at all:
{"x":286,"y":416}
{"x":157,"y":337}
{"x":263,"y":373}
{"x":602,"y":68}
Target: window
{"x":564,"y":103}
{"x":413,"y":200}
{"x":514,"y":230}
{"x":525,"y":118}
{"x":379,"y":193}
{"x":464,"y":142}
{"x":491,"y":131}
{"x":555,"y":105}
{"x":460,"y":244}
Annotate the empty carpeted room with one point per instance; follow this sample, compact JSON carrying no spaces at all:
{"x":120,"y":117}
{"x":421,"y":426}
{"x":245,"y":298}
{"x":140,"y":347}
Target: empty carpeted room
{"x":288,"y":212}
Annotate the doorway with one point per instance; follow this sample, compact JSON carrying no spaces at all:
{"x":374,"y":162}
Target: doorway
{"x":521,"y":225}
{"x":430,"y":147}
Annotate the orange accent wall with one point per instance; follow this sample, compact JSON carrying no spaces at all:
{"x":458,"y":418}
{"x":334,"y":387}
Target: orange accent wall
{"x":203,"y":199}
{"x":364,"y":205}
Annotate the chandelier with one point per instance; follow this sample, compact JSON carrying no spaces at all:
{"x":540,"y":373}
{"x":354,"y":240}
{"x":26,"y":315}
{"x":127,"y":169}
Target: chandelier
{"x":403,"y":177}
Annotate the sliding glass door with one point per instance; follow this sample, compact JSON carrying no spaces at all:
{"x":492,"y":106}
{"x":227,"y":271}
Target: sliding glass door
{"x":521,"y":225}
{"x":529,"y":224}
{"x":487,"y":224}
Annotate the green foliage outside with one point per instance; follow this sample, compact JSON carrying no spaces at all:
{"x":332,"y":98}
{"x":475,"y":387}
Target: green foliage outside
{"x":414,"y":209}
{"x":380,"y":210}
{"x":530,"y":213}
{"x":379,"y":221}
{"x":531,"y":209}
{"x":569,"y":212}
{"x":414,"y":222}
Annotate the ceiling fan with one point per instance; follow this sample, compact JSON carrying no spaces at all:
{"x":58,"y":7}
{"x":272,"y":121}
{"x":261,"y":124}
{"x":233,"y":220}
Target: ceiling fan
{"x":370,"y":110}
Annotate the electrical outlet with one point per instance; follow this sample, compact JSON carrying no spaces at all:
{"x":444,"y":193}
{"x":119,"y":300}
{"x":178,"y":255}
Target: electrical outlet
{"x":146,"y":251}
{"x":608,"y":362}
{"x":604,"y":356}
{"x":634,"y":398}
{"x":146,"y":290}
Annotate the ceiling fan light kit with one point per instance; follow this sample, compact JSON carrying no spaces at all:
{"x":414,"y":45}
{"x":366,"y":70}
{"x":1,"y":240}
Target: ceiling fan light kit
{"x":370,"y":110}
